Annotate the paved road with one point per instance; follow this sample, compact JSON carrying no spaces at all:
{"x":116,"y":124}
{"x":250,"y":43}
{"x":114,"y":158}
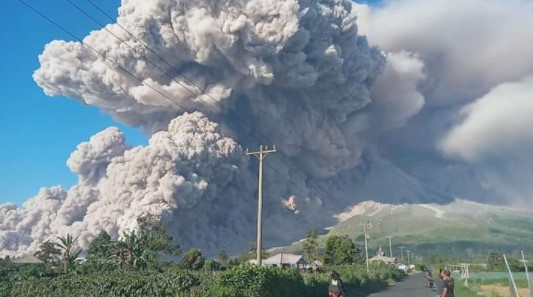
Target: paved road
{"x":413,"y":286}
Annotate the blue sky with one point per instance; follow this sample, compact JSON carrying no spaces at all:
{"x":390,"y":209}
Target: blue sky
{"x":38,"y":133}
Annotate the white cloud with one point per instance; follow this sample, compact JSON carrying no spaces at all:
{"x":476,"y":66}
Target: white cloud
{"x":468,"y":46}
{"x":498,"y":123}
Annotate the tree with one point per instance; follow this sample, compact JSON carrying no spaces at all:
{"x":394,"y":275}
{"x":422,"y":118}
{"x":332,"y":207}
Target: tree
{"x":47,"y":252}
{"x":223,"y":257}
{"x":242,"y":258}
{"x":495,"y":261}
{"x":193,"y":259}
{"x":132,"y":250}
{"x":155,"y":236}
{"x":100,"y":255}
{"x":311,"y":246}
{"x":515,"y":265}
{"x":101,"y":247}
{"x":212,"y":265}
{"x":341,"y":250}
{"x":141,"y":248}
{"x":66,"y":245}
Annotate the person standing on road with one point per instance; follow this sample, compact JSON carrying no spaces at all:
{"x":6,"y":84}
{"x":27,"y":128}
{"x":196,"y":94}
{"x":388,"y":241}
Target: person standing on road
{"x":439,"y":284}
{"x":449,"y":284}
{"x":335,"y":288}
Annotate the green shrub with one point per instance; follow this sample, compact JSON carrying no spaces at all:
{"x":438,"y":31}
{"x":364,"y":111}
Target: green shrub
{"x":239,"y":281}
{"x":108,"y":284}
{"x":253,"y":281}
{"x":5,"y":288}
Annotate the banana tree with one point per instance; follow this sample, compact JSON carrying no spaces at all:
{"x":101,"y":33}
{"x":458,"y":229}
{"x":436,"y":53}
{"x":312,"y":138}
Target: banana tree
{"x":135,"y":249}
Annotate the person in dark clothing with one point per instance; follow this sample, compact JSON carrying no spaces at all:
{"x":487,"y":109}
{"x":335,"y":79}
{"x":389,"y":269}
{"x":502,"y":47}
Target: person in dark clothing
{"x":439,"y":284}
{"x":335,"y":288}
{"x":429,"y":279}
{"x":449,"y":285}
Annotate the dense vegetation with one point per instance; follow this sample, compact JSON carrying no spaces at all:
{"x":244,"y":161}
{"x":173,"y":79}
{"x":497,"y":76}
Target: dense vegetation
{"x":132,"y":266}
{"x":238,"y":281}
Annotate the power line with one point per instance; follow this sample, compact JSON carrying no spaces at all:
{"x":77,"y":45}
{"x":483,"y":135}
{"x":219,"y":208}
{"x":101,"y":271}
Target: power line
{"x":100,"y":54}
{"x":141,"y":54}
{"x":105,"y":57}
{"x":180,"y":73}
{"x":229,"y":111}
{"x":128,"y":72}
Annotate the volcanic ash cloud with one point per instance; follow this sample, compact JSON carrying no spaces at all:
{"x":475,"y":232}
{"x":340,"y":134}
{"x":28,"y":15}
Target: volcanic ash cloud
{"x":292,"y":73}
{"x":190,"y":166}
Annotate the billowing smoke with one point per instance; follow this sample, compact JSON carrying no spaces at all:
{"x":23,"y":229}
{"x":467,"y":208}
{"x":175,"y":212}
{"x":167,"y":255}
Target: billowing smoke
{"x":471,"y":138}
{"x":295,"y":73}
{"x":26,"y":226}
{"x":353,"y":121}
{"x":184,"y":177}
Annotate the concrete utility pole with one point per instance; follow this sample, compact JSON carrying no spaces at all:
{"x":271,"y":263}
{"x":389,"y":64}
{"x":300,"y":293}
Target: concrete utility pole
{"x":401,"y":252}
{"x":390,"y":247}
{"x":260,"y":155}
{"x":527,"y":272}
{"x":365,"y":225}
{"x":512,"y":277}
{"x":408,"y":259}
{"x":465,"y":272}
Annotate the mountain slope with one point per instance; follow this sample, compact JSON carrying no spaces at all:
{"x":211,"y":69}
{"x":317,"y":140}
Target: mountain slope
{"x":461,"y":228}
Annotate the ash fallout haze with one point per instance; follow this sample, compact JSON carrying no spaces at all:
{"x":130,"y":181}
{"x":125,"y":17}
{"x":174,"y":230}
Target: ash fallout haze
{"x":413,"y":101}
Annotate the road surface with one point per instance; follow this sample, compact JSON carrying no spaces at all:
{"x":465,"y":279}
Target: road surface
{"x":413,"y":286}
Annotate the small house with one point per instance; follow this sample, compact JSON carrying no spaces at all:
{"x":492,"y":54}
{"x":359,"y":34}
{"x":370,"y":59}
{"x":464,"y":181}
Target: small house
{"x":286,"y":260}
{"x":384,"y":259}
{"x":27,"y":259}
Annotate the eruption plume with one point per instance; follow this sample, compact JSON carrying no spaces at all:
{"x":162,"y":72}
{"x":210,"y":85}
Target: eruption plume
{"x":206,"y":78}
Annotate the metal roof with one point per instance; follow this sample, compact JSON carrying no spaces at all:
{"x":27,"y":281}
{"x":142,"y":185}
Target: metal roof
{"x":27,"y":259}
{"x":284,"y":258}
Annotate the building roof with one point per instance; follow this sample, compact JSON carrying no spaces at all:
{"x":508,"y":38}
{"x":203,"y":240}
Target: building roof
{"x":27,"y":259}
{"x":384,"y":259}
{"x":284,"y":259}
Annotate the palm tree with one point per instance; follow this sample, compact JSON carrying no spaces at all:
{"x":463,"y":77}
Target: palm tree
{"x":66,"y":244}
{"x":47,"y":252}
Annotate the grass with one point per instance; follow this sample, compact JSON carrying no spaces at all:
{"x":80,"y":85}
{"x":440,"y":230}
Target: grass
{"x":502,"y":282}
{"x":463,"y":291}
{"x":487,"y":279}
{"x":498,"y":278}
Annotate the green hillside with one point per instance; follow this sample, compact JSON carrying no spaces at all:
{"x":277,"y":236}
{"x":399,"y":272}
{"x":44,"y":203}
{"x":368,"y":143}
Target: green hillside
{"x":462,"y":228}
